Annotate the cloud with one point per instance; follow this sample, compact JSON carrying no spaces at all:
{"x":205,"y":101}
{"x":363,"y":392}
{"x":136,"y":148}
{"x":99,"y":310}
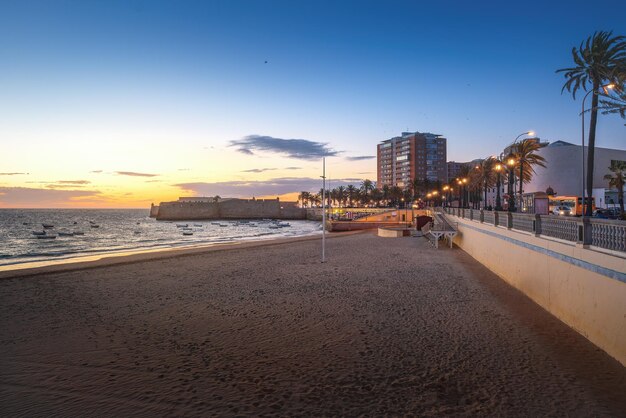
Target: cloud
{"x":293,"y":168}
{"x":293,"y":148}
{"x":361,"y":157}
{"x":72,"y":182}
{"x":13,"y":174}
{"x":257,"y":170}
{"x":154,"y":181}
{"x":365,"y":172}
{"x":183,"y":169}
{"x":33,"y":197}
{"x":134,"y":174}
{"x":96,"y":171}
{"x":275,"y":186}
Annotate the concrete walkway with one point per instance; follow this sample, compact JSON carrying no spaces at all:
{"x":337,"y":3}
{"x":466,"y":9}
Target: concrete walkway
{"x":386,"y":327}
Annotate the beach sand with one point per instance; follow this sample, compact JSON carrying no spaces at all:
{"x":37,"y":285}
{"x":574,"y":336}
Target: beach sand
{"x":385,"y":327}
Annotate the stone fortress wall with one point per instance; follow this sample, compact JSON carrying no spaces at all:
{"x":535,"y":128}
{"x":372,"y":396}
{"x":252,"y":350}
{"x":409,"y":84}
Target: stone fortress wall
{"x":227,"y":209}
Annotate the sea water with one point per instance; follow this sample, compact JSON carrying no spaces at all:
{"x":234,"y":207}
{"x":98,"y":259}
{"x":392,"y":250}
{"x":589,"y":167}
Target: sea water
{"x":121,"y":230}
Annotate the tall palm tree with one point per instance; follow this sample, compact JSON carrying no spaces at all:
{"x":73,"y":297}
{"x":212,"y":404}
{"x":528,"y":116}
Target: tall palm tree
{"x":377,"y":196}
{"x":395,"y":194}
{"x":386,"y":192}
{"x":351,"y":192}
{"x":598,"y":60}
{"x":303,"y":197}
{"x":341,"y":195}
{"x":526,"y":157}
{"x":463,"y":174}
{"x":617,"y":180}
{"x":487,"y":174}
{"x":367,"y":186}
{"x":417,"y":187}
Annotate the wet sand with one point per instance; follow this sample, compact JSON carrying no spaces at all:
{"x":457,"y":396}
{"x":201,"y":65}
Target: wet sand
{"x":385,"y":327}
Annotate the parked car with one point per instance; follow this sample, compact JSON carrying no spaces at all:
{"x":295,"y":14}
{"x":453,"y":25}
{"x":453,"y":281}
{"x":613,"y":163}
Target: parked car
{"x":610,"y":213}
{"x":562,"y":210}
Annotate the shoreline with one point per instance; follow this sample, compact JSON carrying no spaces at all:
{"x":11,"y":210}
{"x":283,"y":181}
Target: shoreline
{"x":30,"y":269}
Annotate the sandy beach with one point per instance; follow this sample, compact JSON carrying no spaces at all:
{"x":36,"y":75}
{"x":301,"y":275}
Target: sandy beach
{"x":385,"y":327}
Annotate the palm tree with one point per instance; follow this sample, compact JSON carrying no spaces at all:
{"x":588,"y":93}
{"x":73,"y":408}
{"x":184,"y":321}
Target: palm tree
{"x":216,"y":198}
{"x":463,"y":174}
{"x":303,"y":197}
{"x":377,"y":196}
{"x":367,"y":186}
{"x":351,"y":192}
{"x":616,"y":103}
{"x":386,"y":190}
{"x":526,"y":157}
{"x":597,"y":61}
{"x":487,"y":175}
{"x":617,"y":180}
{"x":416,"y":186}
{"x":395,"y":194}
{"x":341,"y":195}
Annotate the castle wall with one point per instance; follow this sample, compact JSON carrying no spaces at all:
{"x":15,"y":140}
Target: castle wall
{"x":230,"y":209}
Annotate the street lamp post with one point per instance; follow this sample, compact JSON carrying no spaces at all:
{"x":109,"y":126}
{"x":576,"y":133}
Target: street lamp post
{"x":466,"y":197}
{"x":498,"y":201}
{"x":582,"y":117}
{"x":511,"y":167}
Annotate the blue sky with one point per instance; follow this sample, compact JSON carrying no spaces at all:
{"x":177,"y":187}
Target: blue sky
{"x":157,"y":74}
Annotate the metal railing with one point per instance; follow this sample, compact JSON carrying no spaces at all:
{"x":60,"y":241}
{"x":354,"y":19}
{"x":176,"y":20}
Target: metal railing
{"x":608,"y":234}
{"x":601,"y":233}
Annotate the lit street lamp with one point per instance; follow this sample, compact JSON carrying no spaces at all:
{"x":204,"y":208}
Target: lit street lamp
{"x":582,"y":117}
{"x":511,"y":166}
{"x":498,"y":201}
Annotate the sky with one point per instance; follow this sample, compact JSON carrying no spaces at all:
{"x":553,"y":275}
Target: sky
{"x":124,"y":103}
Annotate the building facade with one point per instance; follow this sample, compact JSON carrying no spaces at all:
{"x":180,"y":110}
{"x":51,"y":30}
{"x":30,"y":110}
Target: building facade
{"x":411,"y":155}
{"x":563,"y":173}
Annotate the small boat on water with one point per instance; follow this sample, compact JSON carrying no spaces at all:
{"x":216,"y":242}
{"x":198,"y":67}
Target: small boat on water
{"x":38,"y":233}
{"x":66,"y":233}
{"x":283,"y":224}
{"x":198,"y":225}
{"x":223,"y":225}
{"x":78,"y":233}
{"x":274,"y":227}
{"x":47,"y":236}
{"x":94,"y":226}
{"x":187,"y":232}
{"x":24,"y":223}
{"x":182,"y":225}
{"x":47,"y":226}
{"x":215,"y":223}
{"x":136,"y":232}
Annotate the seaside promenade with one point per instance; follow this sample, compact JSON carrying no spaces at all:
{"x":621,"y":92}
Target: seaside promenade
{"x":385,"y":327}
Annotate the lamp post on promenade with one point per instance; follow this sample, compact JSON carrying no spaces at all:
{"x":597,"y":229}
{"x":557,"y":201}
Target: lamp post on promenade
{"x":510,"y":168}
{"x":582,"y":118}
{"x":324,"y":210}
{"x":498,"y":201}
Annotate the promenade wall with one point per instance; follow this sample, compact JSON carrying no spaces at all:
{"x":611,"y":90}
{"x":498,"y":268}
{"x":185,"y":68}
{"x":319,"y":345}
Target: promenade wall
{"x":584,"y":288}
{"x":230,"y":209}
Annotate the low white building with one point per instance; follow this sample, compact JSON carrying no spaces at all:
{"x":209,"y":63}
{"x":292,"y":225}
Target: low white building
{"x":563,"y":173}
